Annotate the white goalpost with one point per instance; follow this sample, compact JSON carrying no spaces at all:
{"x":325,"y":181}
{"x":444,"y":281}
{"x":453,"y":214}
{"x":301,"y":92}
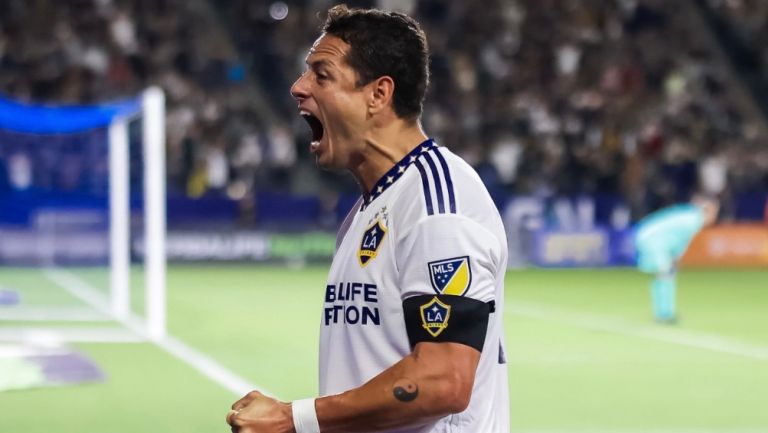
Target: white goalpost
{"x":115,"y":303}
{"x":153,"y":108}
{"x":154,"y":210}
{"x":72,"y":307}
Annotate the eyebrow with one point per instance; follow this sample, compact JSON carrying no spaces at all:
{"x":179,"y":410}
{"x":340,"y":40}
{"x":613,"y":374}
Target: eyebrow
{"x":314,"y":64}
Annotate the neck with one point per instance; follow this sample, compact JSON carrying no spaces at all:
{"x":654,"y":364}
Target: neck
{"x":385,"y":147}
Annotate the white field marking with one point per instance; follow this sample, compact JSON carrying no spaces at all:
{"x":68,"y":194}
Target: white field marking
{"x":653,"y":430}
{"x":201,"y":362}
{"x":55,"y":314}
{"x":674,"y":335}
{"x":57,"y":335}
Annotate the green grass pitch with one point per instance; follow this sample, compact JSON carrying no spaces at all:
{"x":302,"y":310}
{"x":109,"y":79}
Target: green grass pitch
{"x":584,"y":355}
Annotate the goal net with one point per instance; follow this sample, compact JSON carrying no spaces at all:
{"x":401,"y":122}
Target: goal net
{"x":82,"y":221}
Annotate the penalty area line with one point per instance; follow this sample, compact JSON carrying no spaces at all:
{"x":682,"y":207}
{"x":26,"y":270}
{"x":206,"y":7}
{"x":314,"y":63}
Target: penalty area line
{"x":196,"y":359}
{"x":674,"y":335}
{"x":651,"y":430}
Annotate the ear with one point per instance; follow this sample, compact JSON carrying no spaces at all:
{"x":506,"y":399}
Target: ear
{"x":382,"y":91}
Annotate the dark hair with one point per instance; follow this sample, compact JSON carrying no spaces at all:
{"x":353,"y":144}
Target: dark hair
{"x":385,"y":43}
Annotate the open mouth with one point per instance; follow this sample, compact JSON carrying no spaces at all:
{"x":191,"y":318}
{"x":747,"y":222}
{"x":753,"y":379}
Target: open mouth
{"x":316,"y":126}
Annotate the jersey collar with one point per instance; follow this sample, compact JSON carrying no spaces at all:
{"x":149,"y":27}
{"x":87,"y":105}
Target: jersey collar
{"x":397,"y":170}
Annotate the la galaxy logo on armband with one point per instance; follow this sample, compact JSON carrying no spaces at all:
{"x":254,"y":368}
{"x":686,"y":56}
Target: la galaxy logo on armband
{"x":434,"y":316}
{"x":372,"y":239}
{"x":451,"y":276}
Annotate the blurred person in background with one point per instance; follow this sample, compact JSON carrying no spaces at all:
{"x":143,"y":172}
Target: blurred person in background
{"x":411,"y":338}
{"x":661,"y":239}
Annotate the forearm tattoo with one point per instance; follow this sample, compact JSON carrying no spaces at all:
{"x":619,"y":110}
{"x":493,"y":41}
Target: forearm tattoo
{"x":405,"y":390}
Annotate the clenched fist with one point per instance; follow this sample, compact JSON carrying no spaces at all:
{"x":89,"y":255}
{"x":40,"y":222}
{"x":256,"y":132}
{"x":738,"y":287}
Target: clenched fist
{"x":257,"y":413}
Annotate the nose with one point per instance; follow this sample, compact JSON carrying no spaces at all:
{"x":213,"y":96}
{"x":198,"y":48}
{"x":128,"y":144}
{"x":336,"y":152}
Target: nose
{"x":299,"y":89}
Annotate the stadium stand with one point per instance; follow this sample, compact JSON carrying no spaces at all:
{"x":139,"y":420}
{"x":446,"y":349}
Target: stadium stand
{"x":625,"y":101}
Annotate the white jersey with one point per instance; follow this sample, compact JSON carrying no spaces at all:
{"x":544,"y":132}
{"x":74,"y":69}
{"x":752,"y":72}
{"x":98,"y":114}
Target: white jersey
{"x":430,"y":227}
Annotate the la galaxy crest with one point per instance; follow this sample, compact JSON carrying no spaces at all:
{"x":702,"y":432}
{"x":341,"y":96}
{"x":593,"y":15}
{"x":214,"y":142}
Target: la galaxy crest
{"x":434,"y":316}
{"x":372,"y":239}
{"x":451,"y":276}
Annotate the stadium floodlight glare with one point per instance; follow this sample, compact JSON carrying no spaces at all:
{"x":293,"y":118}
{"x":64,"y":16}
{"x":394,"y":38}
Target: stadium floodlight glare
{"x":57,"y":121}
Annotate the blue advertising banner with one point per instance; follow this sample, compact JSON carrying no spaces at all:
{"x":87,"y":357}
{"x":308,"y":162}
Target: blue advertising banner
{"x":555,"y":248}
{"x":583,"y":248}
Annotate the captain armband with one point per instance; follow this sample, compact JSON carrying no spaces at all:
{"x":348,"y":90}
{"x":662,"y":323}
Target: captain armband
{"x":447,"y":318}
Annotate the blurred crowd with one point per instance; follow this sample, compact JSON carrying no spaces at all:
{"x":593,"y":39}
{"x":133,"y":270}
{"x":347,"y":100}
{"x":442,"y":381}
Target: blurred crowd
{"x":748,"y":20}
{"x":627,"y":98}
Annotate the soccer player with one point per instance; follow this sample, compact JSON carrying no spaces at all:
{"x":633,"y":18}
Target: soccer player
{"x":411,"y":333}
{"x":661,"y":238}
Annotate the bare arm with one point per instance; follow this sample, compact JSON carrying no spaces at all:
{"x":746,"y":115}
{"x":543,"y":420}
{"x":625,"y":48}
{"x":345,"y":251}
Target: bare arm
{"x":433,"y":381}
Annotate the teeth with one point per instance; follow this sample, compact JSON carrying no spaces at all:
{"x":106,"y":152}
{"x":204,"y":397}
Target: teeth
{"x":314,"y":145}
{"x":305,"y":113}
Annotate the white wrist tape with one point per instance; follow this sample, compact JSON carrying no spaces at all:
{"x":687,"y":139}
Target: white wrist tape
{"x":304,"y":416}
